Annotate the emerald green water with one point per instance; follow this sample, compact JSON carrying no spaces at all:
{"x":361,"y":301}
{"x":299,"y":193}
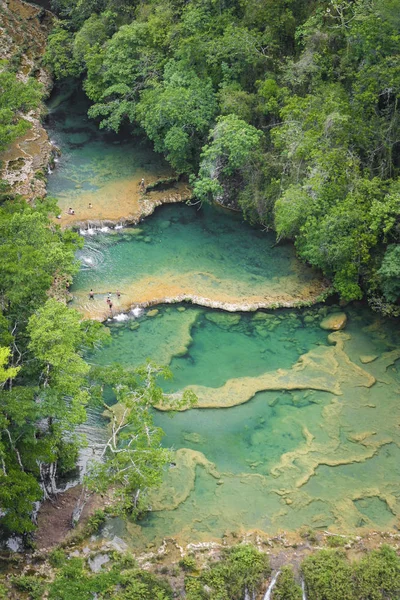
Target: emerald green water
{"x":95,"y":165}
{"x":204,"y":352}
{"x":301,"y":430}
{"x":285,"y":458}
{"x":185,"y":253}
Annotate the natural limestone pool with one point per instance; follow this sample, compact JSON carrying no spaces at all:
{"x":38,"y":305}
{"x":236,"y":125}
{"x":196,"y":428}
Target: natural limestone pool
{"x":208,"y":257}
{"x":101,"y":168}
{"x":295,"y":425}
{"x":317,"y":446}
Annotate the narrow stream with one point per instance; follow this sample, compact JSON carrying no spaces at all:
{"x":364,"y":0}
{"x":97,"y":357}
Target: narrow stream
{"x":296,"y":426}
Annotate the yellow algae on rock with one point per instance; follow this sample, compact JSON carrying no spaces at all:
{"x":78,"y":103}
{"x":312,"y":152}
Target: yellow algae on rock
{"x":366,"y":359}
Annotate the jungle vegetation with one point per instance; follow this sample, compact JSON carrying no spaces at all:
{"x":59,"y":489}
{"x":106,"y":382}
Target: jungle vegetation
{"x":238,"y":572}
{"x":287,"y":110}
{"x":46,"y":382}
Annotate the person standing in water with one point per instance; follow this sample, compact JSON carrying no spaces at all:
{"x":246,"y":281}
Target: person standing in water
{"x":91,"y":295}
{"x":142,"y":185}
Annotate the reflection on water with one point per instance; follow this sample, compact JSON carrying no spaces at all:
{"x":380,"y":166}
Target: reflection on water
{"x":286,"y":458}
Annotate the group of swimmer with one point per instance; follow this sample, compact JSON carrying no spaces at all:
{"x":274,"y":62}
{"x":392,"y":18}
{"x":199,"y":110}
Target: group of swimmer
{"x":108,"y":299}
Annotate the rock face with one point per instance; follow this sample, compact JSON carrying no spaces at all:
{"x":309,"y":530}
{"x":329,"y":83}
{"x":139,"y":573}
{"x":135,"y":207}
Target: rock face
{"x":23,"y":33}
{"x":334,"y":322}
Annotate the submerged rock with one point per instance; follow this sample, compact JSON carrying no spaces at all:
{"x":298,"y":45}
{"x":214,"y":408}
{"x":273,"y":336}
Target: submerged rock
{"x":262,"y":316}
{"x":194,"y":437}
{"x":308,"y":319}
{"x":153,"y":313}
{"x":365,"y":359}
{"x":223,"y":320}
{"x":334,"y":322}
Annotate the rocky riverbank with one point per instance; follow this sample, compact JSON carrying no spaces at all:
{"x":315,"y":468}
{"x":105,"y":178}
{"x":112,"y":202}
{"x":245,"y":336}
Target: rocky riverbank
{"x":24,"y":31}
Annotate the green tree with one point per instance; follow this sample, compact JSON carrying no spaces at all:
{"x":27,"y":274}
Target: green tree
{"x":390,"y":273}
{"x":241,"y":568}
{"x":377,"y":575}
{"x":234,"y":148}
{"x":328,"y":575}
{"x":177,"y":113}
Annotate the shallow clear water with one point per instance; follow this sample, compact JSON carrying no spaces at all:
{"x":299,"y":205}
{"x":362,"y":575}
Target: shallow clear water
{"x":183,"y":252}
{"x":287,"y":457}
{"x":96,"y":166}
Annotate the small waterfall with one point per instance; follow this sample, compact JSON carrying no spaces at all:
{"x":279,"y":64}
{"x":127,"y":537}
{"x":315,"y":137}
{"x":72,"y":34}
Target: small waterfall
{"x":137,"y":311}
{"x":303,"y":589}
{"x":271,"y":587}
{"x":247,"y":595}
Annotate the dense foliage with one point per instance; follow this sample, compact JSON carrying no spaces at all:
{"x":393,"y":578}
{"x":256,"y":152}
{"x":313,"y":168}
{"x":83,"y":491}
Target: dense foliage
{"x":237,"y":573}
{"x":46,"y":383}
{"x":16,"y":98}
{"x":329,"y":575}
{"x":241,"y":570}
{"x":288,"y":110}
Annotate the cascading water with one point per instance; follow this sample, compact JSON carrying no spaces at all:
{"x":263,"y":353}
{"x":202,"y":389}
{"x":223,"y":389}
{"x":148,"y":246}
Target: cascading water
{"x":303,"y":589}
{"x":271,"y":586}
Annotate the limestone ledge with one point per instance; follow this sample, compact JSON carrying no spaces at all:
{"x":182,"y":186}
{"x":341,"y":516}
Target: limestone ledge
{"x":100,"y":312}
{"x":128,"y":212}
{"x":324,"y":368}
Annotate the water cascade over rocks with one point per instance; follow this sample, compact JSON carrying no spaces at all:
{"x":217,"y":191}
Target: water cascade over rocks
{"x":271,"y":586}
{"x":303,"y":589}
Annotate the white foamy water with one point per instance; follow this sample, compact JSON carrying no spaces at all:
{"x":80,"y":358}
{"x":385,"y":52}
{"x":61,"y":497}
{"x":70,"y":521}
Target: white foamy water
{"x":271,"y":587}
{"x":121,"y":317}
{"x":137,"y":311}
